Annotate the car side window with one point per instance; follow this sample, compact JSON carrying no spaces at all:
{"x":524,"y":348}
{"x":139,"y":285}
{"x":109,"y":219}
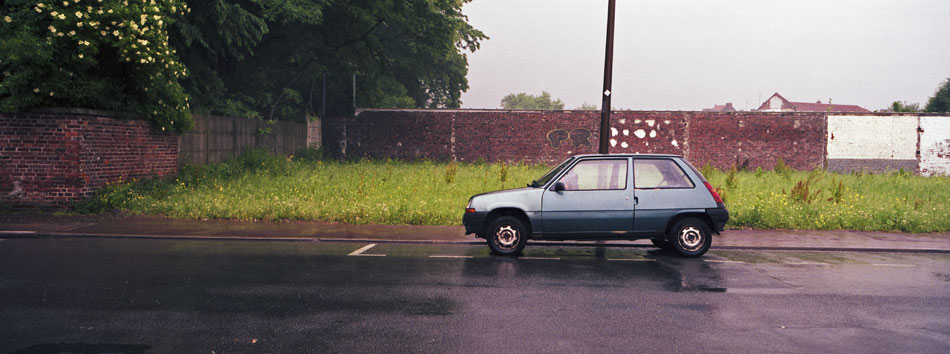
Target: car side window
{"x":596,"y":175}
{"x":659,"y":173}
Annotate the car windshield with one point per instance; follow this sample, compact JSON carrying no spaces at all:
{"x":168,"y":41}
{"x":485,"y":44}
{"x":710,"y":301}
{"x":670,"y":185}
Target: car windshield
{"x":540,"y":182}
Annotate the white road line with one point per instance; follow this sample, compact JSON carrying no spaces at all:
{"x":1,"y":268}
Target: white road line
{"x":806,"y":263}
{"x":17,"y":232}
{"x":721,"y":261}
{"x":631,"y":260}
{"x":893,"y":265}
{"x":360,"y":251}
{"x":549,"y":258}
{"x":448,"y":256}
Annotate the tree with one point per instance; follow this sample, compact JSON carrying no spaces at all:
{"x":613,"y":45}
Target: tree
{"x":526,"y":101}
{"x":110,"y":54}
{"x":587,"y":107}
{"x":898,"y":106}
{"x":940,"y":102}
{"x":269,"y":58}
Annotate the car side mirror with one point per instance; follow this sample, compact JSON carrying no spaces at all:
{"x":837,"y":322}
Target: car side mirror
{"x":558,"y":187}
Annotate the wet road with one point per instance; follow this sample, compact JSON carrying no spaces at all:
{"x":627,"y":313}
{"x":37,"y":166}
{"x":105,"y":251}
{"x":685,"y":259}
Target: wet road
{"x":165,"y":296}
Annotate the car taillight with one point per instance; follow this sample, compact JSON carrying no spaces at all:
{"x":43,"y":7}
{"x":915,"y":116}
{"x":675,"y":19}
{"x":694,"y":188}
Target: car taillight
{"x":713,"y":192}
{"x":472,"y":210}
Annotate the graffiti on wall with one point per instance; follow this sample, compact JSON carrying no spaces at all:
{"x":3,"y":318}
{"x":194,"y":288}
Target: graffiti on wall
{"x":576,"y":137}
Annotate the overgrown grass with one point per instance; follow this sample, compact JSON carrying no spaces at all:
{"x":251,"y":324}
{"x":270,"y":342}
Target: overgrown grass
{"x":258,"y":186}
{"x":819,"y":200}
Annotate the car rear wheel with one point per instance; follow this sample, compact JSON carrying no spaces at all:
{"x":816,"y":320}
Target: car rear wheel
{"x":506,"y":236}
{"x":662,"y":243}
{"x":690,"y":237}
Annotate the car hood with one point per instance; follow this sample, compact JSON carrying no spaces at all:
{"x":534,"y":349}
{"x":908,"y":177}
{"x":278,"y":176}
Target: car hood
{"x":525,"y":198}
{"x":507,"y":191}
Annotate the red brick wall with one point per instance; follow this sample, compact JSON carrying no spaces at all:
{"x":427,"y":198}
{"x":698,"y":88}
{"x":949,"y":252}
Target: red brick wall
{"x":54,"y":159}
{"x":754,"y":139}
{"x":723,"y":139}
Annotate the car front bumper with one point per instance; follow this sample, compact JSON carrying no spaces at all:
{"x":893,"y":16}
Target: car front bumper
{"x":474,"y":222}
{"x":719,"y":217}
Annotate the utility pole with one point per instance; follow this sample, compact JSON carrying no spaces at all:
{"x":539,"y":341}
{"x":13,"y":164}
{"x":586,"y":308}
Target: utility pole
{"x":608,"y":73}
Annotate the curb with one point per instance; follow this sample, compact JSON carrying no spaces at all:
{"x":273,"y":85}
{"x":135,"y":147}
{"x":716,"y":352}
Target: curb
{"x":64,"y":235}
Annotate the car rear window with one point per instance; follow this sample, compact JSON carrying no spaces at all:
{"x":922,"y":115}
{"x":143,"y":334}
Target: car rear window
{"x":659,"y":173}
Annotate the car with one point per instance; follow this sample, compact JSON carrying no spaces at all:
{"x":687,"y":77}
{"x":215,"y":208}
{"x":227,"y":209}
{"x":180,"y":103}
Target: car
{"x":604,"y":197}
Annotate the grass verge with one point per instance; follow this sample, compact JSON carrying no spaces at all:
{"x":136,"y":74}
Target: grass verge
{"x":259,"y":186}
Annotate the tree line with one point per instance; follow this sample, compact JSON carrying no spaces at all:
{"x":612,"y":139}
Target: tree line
{"x":267,"y":59}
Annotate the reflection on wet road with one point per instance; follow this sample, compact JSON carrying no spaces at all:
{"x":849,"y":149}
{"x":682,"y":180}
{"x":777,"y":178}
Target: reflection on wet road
{"x":160,"y":296}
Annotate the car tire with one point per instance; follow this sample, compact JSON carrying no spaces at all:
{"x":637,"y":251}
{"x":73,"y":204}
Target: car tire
{"x":661,"y":243}
{"x":506,"y":236}
{"x":690,"y":237}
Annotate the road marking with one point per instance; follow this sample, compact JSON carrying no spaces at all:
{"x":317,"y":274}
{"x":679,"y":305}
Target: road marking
{"x":806,"y":263}
{"x":360,"y":251}
{"x":893,"y":265}
{"x":721,"y":261}
{"x":631,"y":260}
{"x":448,"y":256}
{"x":17,"y":232}
{"x":549,"y":258}
{"x":761,"y":291}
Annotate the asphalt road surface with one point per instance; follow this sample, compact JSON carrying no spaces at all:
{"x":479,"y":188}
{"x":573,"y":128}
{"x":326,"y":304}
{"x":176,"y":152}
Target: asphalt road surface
{"x":170,"y":296}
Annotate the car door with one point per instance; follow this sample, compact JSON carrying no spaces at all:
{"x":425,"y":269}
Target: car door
{"x":662,"y":188}
{"x":597,"y":199}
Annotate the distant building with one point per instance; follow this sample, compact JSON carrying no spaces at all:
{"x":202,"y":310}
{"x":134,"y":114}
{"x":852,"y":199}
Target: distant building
{"x":721,"y":108}
{"x":777,"y":103}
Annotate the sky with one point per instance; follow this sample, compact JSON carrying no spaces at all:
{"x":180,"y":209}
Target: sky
{"x":690,"y":55}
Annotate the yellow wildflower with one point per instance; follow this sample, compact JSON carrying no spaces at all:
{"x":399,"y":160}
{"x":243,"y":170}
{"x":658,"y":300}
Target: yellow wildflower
{"x":7,"y":19}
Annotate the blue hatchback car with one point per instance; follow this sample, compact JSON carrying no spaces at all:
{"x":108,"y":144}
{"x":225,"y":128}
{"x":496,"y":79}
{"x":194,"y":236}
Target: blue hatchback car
{"x":601,"y":197}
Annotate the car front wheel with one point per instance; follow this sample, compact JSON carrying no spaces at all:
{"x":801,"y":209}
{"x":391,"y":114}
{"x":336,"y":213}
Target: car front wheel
{"x":506,"y":236}
{"x":690,"y":237}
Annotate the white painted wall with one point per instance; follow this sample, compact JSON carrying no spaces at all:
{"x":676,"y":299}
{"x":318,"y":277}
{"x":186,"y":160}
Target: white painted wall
{"x":935,"y":146}
{"x":872,"y":137}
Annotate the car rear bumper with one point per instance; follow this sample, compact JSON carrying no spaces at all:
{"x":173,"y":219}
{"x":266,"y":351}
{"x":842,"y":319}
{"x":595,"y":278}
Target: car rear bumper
{"x":719,"y":216}
{"x":474,"y":222}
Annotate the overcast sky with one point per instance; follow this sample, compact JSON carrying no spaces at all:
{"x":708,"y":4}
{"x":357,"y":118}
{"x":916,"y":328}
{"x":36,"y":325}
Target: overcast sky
{"x":689,"y":55}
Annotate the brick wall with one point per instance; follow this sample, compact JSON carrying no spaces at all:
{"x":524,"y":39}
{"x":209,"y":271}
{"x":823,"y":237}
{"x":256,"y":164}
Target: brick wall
{"x":935,"y":145}
{"x":875,"y":143}
{"x":723,"y":139}
{"x":54,"y":159}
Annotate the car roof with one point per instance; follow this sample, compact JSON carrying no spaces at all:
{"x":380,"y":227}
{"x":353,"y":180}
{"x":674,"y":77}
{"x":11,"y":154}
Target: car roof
{"x":627,"y":155}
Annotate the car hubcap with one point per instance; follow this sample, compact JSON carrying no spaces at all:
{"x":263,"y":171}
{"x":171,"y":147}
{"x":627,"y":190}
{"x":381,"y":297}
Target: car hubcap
{"x":506,"y":237}
{"x":691,"y":238}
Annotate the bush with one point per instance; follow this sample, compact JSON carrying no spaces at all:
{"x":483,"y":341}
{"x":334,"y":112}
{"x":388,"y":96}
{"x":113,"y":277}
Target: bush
{"x":111,"y":55}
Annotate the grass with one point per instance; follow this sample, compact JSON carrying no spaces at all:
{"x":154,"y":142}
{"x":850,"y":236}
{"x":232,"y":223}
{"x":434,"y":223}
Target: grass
{"x":258,"y":186}
{"x":819,"y":200}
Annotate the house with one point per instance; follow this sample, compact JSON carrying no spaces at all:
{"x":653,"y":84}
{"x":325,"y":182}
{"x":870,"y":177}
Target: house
{"x":721,"y":108}
{"x":777,"y":103}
